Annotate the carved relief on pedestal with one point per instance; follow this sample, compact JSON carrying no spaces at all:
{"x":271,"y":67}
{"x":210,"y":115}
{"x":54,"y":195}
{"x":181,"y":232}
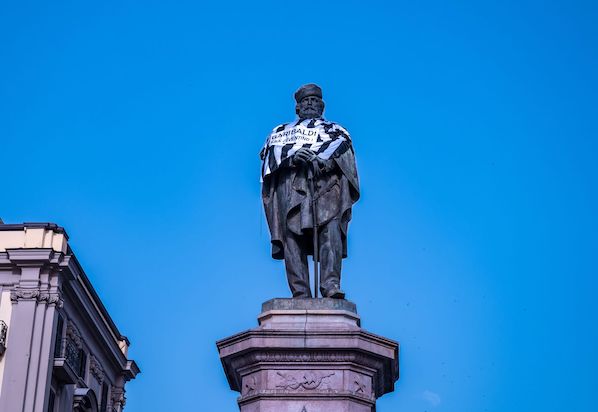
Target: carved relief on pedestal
{"x":360,"y":385}
{"x":306,"y":380}
{"x":250,"y":386}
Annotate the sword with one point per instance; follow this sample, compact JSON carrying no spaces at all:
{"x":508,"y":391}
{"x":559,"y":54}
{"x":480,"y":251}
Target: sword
{"x":310,"y":178}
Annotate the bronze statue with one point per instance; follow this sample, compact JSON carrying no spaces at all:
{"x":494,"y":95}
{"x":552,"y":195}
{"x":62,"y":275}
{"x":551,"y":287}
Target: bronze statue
{"x":309,"y":180}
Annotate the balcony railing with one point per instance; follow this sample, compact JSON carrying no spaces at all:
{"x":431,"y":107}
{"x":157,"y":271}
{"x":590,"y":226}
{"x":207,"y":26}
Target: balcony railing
{"x":69,"y":361}
{"x":3,"y":331}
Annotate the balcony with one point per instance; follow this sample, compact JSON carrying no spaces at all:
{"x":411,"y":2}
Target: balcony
{"x":69,"y":362}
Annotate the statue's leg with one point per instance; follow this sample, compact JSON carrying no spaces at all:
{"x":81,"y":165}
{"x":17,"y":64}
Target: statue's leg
{"x":331,"y":257}
{"x":295,"y":260}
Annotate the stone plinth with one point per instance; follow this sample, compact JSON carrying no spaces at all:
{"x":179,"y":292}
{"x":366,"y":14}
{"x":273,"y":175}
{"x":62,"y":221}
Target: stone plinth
{"x":309,"y":355}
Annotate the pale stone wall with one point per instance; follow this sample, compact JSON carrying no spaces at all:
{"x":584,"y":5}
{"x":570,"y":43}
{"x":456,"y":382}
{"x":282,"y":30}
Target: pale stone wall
{"x":62,"y":346}
{"x":30,"y":238}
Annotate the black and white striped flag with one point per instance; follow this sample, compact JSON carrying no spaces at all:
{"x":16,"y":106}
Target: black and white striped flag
{"x":326,"y":139}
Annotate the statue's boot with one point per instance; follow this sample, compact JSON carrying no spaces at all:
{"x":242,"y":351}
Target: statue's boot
{"x":335,"y":293}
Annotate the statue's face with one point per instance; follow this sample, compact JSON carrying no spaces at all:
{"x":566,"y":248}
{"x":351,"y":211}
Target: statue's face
{"x":310,"y":107}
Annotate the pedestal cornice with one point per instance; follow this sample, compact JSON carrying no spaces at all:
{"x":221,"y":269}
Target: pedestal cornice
{"x":309,"y":353}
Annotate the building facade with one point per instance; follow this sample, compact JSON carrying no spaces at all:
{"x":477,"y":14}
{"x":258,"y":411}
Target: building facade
{"x":59,"y":348}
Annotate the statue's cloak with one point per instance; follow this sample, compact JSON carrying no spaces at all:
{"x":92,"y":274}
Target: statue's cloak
{"x":288,"y":201}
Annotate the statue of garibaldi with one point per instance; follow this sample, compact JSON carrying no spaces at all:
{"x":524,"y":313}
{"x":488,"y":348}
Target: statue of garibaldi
{"x":309,"y":185}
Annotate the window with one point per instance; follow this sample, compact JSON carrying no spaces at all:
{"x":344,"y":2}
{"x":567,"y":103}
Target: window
{"x":51,"y":401}
{"x":104,"y":403}
{"x":58,"y":341}
{"x":83,"y":362}
{"x":76,"y":358}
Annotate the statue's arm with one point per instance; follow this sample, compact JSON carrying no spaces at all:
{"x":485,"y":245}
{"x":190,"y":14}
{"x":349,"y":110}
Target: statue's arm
{"x":346,"y":163}
{"x":287,"y":163}
{"x":327,"y":166}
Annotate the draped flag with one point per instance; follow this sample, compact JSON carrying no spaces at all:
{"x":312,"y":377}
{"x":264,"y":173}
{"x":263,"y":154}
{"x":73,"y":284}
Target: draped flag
{"x":326,"y":139}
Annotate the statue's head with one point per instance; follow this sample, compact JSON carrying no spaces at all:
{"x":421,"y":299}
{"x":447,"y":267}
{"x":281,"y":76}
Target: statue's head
{"x":309,"y":101}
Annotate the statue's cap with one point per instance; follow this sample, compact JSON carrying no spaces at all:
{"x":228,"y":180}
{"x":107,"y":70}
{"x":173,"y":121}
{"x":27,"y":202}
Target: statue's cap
{"x":309,"y":89}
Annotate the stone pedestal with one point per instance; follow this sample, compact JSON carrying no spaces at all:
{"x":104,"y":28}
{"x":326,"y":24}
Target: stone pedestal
{"x":309,"y":355}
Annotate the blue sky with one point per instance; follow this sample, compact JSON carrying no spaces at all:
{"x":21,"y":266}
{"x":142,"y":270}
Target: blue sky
{"x":136,"y":125}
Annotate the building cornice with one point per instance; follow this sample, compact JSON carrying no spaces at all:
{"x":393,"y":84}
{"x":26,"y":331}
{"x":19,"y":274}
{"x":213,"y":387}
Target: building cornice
{"x":34,"y":225}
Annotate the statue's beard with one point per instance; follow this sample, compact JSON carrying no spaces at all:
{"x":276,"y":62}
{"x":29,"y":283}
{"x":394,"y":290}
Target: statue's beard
{"x":310,"y":112}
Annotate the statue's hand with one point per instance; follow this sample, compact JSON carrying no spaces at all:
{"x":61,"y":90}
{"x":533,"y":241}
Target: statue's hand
{"x":320,"y":166}
{"x":303,"y":156}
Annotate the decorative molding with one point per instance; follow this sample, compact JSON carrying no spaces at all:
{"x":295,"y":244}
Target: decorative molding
{"x":301,"y":356}
{"x":315,"y":395}
{"x":35,"y":257}
{"x":117,"y":398}
{"x":49,"y":298}
{"x":73,"y":334}
{"x":96,"y":369}
{"x":305,"y":357}
{"x":304,"y":380}
{"x":24,"y":294}
{"x":83,"y":400}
